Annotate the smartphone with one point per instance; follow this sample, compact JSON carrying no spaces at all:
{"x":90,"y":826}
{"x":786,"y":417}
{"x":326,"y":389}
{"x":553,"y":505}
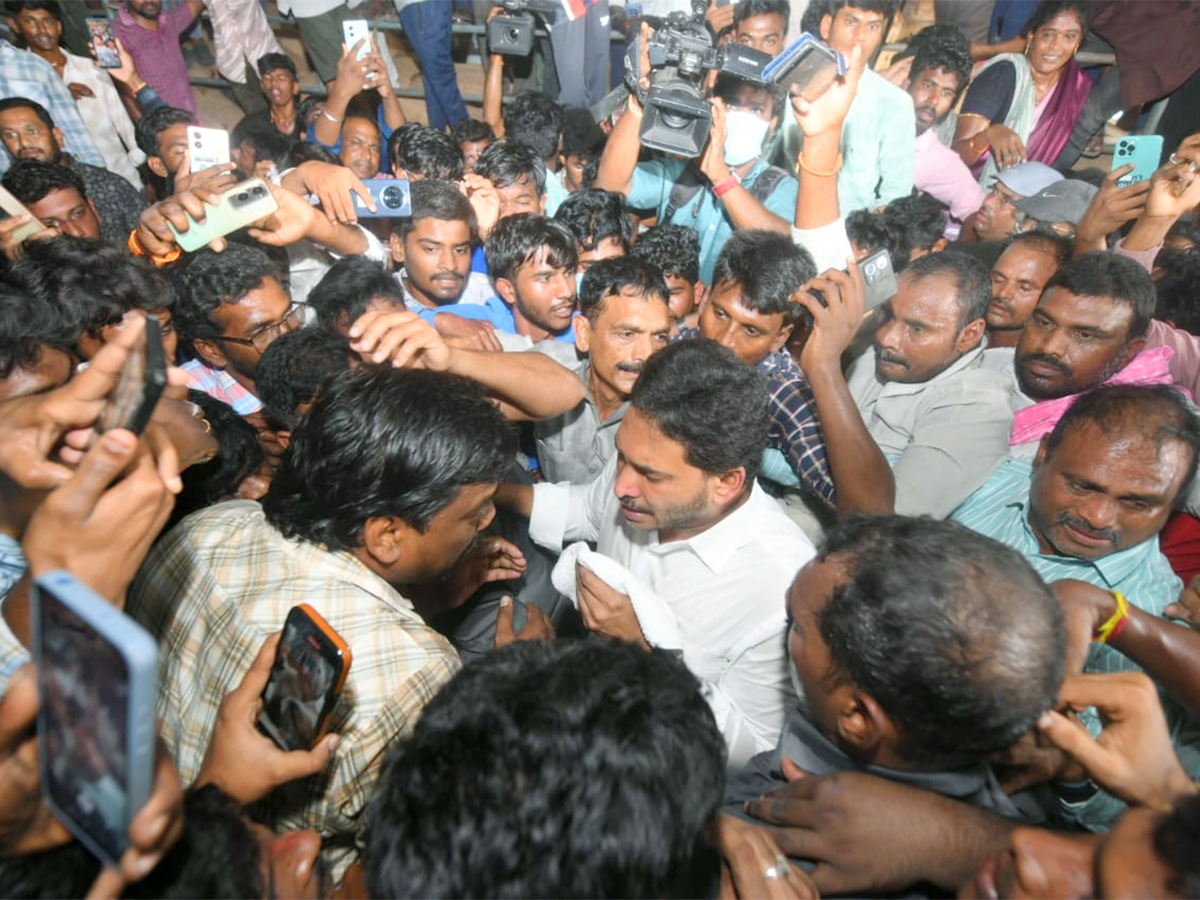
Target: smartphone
{"x":140,"y":384}
{"x":14,"y":208}
{"x":207,"y":147}
{"x":807,"y":67}
{"x":391,"y":198}
{"x":879,"y":279}
{"x":1144,"y":151}
{"x":353,"y":31}
{"x":104,"y":45}
{"x":96,"y":671}
{"x":236,"y":208}
{"x":310,"y":670}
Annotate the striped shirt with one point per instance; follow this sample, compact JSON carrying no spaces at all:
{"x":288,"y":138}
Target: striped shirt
{"x":220,"y":385}
{"x":242,"y":34}
{"x":211,"y":592}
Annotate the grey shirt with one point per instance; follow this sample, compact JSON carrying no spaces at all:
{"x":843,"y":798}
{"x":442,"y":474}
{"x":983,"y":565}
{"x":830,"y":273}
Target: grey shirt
{"x":575,"y":446}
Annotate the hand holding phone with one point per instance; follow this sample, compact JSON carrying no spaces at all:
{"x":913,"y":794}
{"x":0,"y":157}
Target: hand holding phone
{"x":15,"y":209}
{"x":103,"y":44}
{"x":140,"y":385}
{"x":807,"y":67}
{"x":236,"y":207}
{"x":1144,"y":151}
{"x":355,"y":30}
{"x":207,"y":147}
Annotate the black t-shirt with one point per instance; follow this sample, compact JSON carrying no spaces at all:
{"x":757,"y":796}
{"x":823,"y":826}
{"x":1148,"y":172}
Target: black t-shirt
{"x":991,"y":93}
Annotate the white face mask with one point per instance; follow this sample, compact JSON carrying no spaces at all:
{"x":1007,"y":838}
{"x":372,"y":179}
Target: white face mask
{"x":744,"y":134}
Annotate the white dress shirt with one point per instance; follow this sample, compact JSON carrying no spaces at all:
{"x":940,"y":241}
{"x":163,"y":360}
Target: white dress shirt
{"x":107,"y":119}
{"x":727,"y":587}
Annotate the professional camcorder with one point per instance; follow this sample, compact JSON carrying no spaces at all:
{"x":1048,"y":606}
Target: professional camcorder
{"x":512,"y":34}
{"x":677,"y":117}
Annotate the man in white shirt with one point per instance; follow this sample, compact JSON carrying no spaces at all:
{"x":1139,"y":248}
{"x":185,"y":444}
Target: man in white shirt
{"x":708,"y":554}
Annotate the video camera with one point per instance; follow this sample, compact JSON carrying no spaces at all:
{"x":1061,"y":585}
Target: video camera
{"x":677,"y":117}
{"x":512,"y":34}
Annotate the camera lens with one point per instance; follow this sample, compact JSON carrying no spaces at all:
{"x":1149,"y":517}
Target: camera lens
{"x":197,"y":145}
{"x":392,"y":197}
{"x":512,"y":35}
{"x":243,"y":196}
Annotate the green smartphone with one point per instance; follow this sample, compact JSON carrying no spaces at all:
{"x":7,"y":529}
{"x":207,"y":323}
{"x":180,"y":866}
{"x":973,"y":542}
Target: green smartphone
{"x":14,"y":208}
{"x":236,"y":208}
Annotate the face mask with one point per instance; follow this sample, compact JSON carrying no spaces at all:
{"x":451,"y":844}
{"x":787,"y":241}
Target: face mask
{"x":744,"y":136}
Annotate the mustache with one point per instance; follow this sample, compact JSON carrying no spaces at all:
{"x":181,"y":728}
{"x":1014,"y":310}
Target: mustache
{"x":929,"y":109}
{"x":889,"y":357}
{"x":1053,"y":361}
{"x":634,"y":368}
{"x":446,"y":274}
{"x":628,"y":503}
{"x":1105,"y":534}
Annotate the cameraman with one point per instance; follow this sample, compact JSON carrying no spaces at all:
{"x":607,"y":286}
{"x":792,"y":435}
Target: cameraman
{"x":730,"y":186}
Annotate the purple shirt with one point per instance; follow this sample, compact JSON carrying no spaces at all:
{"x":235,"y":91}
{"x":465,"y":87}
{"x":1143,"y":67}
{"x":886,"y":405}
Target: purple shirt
{"x":157,"y":54}
{"x":941,"y":173}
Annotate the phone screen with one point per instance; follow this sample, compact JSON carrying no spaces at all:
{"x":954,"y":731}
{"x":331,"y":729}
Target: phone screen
{"x":84,"y":685}
{"x":303,"y":685}
{"x":103,"y":44}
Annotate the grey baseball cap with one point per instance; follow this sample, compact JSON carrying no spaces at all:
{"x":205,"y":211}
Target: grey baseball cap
{"x":1063,"y":201}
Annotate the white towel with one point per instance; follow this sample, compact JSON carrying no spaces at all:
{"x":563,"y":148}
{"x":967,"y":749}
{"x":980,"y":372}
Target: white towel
{"x":655,"y":617}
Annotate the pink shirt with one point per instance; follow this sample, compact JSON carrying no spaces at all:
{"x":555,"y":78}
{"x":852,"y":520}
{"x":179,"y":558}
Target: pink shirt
{"x":157,"y":54}
{"x":942,"y":174}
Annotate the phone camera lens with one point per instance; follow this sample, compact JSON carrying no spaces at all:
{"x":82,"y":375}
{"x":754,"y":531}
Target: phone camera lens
{"x":243,"y":196}
{"x":392,"y":197}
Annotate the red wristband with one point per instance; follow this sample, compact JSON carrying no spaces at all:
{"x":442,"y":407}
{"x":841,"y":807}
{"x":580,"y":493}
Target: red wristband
{"x":726,"y":186}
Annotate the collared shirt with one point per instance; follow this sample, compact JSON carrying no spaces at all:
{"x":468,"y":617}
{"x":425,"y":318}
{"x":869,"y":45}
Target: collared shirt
{"x":118,"y":203}
{"x":941,"y":173}
{"x":943,"y":437}
{"x":211,"y":592}
{"x":157,"y":54}
{"x":726,"y":587}
{"x":242,"y":35}
{"x":24,"y":74}
{"x":111,"y":128}
{"x":220,"y":385}
{"x":492,"y":310}
{"x":651,"y":189}
{"x":478,"y":291}
{"x":575,"y":446}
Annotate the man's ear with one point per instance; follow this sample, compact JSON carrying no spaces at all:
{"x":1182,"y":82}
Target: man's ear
{"x":939,"y":245}
{"x":863,"y":726}
{"x":384,"y":538}
{"x":506,"y":290}
{"x":826,"y":26}
{"x":156,"y":165}
{"x":971,"y":335}
{"x":96,"y":212}
{"x":396,"y":245}
{"x":781,"y":339}
{"x":583,"y":334}
{"x":210,"y":353}
{"x":1132,"y":349}
{"x":401,"y":172}
{"x":1043,"y":451}
{"x":726,"y":486}
{"x":542,"y":205}
{"x":58,"y":136}
{"x":701,"y":294}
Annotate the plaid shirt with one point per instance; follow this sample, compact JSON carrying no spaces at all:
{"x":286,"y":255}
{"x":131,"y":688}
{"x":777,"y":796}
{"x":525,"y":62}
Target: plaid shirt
{"x":157,"y":53}
{"x":211,"y":592}
{"x":795,"y":429}
{"x":220,"y":385}
{"x":23,"y":74}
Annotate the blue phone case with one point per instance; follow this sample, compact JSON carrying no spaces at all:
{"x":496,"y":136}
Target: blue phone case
{"x":1144,"y":151}
{"x":97,"y":673}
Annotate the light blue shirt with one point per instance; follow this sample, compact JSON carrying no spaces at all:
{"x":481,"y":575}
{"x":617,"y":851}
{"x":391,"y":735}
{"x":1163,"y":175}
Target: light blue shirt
{"x":494,"y":310}
{"x":651,"y":189}
{"x":555,"y":193}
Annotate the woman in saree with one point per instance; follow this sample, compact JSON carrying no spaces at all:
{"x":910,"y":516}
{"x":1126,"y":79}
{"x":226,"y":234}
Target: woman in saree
{"x":1023,"y":106}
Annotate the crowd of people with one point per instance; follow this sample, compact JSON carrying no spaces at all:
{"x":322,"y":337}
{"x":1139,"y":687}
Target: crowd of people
{"x":674,"y":550}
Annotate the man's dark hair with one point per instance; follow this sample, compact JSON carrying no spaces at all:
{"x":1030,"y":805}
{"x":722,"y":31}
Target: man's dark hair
{"x":728,"y":86}
{"x":426,"y":152}
{"x":593,"y":215}
{"x":292,"y":370}
{"x":304,"y":151}
{"x":868,"y":231}
{"x":1048,"y":9}
{"x":1058,"y":246}
{"x":155,"y":122}
{"x":533,"y":119}
{"x":40,"y":111}
{"x":972,"y":280}
{"x":15,"y":7}
{"x":1186,"y":228}
{"x":819,"y":9}
{"x":1178,"y":288}
{"x":386,"y":442}
{"x":674,"y":249}
{"x":468,"y":131}
{"x":30,"y":180}
{"x":699,"y":394}
{"x":269,"y":62}
{"x":28,"y":323}
{"x":952,"y":633}
{"x":916,"y":223}
{"x":748,"y":9}
{"x":582,"y":137}
{"x":504,"y":163}
{"x":209,"y":280}
{"x":768,"y":267}
{"x":345,"y":292}
{"x":1176,"y":840}
{"x":941,"y":47}
{"x":434,"y":199}
{"x":1157,"y":413}
{"x":264,"y":140}
{"x":568,"y":769}
{"x":517,"y":240}
{"x":610,"y":277}
{"x":1102,"y":274}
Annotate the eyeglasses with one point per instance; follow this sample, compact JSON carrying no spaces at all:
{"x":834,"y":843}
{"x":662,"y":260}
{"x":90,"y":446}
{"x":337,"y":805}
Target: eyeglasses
{"x":265,"y":336}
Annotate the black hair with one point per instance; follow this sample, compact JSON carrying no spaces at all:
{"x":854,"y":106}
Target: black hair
{"x":269,"y":62}
{"x":699,"y":394}
{"x":610,"y":277}
{"x":593,"y":215}
{"x":471,"y":130}
{"x":768,"y":267}
{"x":972,"y":280}
{"x":819,"y":9}
{"x":1178,"y":288}
{"x":582,"y":137}
{"x":727,"y":87}
{"x":434,"y":199}
{"x":941,"y":47}
{"x":295,"y":366}
{"x":385,"y":442}
{"x":866,"y":229}
{"x":916,"y":222}
{"x":15,"y":7}
{"x":28,"y":323}
{"x":30,"y":180}
{"x":155,"y":122}
{"x":40,"y":111}
{"x":504,"y":163}
{"x":207,"y":280}
{"x":1102,"y":274}
{"x":1186,"y":228}
{"x":567,"y":769}
{"x":748,"y":9}
{"x":1058,"y":246}
{"x":1048,"y":9}
{"x":953,"y":634}
{"x":533,"y":119}
{"x":266,"y":142}
{"x":345,"y":292}
{"x":304,"y":151}
{"x":675,"y":249}
{"x":1157,"y":412}
{"x":1176,"y":840}
{"x":516,"y":240}
{"x":427,"y":153}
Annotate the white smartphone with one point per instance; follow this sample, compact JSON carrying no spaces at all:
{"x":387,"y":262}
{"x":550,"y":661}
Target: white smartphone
{"x":355,"y":30}
{"x":14,"y":208}
{"x":236,"y":208}
{"x":208,"y":147}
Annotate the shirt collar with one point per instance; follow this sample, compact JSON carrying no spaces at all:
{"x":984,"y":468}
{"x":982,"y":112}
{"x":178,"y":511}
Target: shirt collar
{"x":968,"y":360}
{"x":716,"y":545}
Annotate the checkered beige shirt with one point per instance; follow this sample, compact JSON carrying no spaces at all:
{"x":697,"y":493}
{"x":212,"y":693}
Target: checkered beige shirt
{"x":220,"y":583}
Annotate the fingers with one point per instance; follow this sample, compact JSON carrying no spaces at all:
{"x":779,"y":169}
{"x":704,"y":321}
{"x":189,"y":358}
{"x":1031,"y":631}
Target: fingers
{"x":157,"y":825}
{"x":504,"y":623}
{"x":109,"y":885}
{"x":1074,"y":740}
{"x":305,"y":763}
{"x":537,"y":624}
{"x":99,"y":468}
{"x":18,"y":708}
{"x":254,"y":682}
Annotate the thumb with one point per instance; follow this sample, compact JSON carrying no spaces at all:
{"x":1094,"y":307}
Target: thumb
{"x":504,"y":622}
{"x":791,"y":771}
{"x":1073,"y":740}
{"x":100,"y":466}
{"x":303,"y":763}
{"x":1174,"y":610}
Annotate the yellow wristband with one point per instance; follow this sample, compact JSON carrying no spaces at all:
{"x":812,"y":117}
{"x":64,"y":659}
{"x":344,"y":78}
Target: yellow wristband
{"x":1114,"y":623}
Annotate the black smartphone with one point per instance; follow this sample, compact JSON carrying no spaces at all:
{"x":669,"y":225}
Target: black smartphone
{"x":310,"y":670}
{"x":139,"y":386}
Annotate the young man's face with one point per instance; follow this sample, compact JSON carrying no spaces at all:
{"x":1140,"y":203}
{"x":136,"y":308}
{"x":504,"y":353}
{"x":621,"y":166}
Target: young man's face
{"x":627,"y":331}
{"x":172,"y":150}
{"x":606,"y":248}
{"x":933,"y":92}
{"x":997,"y":218}
{"x":279,"y":86}
{"x":682,"y":295}
{"x":521,"y":197}
{"x":767,"y":33}
{"x":471,"y":151}
{"x":67,"y":211}
{"x":436,"y":255}
{"x":541,"y":294}
{"x":247,"y":328}
{"x":37,"y":28}
{"x":572,"y":168}
{"x":26,"y":136}
{"x":431,"y":553}
{"x":850,"y":27}
{"x":727,"y":319}
{"x":1018,"y":278}
{"x":361,"y":147}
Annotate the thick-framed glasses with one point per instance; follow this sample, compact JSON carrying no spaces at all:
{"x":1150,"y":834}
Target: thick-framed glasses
{"x":265,"y":335}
